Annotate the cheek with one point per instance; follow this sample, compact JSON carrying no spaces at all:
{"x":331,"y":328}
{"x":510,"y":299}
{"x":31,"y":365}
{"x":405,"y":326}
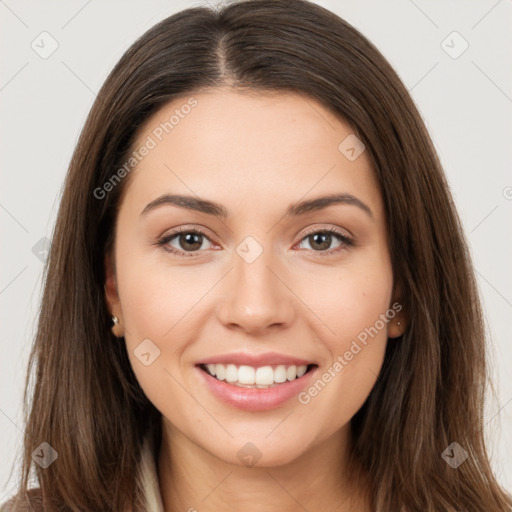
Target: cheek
{"x":349,"y":298}
{"x":154,"y":300}
{"x":154,"y":309}
{"x":154,"y":295}
{"x":354,"y":308}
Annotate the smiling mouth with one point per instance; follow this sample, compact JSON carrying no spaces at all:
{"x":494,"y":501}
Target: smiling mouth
{"x":261,"y":377}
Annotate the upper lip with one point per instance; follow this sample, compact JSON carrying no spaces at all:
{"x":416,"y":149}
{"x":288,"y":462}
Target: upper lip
{"x":256,"y":360}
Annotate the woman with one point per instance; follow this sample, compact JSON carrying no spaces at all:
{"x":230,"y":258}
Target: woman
{"x":196,"y":348}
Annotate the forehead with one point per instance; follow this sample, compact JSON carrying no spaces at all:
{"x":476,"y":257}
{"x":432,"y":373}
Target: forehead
{"x":240,"y":149}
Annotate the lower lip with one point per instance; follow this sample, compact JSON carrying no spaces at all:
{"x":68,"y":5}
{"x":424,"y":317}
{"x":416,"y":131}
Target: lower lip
{"x":256,"y":399}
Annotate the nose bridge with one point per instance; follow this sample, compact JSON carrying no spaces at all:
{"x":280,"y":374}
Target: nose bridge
{"x":254,"y":297}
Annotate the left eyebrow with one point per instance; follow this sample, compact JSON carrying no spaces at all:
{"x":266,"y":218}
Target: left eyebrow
{"x":190,"y":202}
{"x":294,"y":210}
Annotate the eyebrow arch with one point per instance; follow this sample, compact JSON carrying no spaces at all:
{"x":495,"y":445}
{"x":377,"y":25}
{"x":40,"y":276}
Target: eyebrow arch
{"x":218,"y":210}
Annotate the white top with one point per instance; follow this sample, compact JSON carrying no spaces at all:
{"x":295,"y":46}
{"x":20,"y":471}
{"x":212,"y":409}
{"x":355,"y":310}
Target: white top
{"x":150,"y":479}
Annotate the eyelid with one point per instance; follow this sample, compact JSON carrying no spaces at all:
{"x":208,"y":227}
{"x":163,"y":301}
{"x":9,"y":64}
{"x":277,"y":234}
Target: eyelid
{"x":330,"y":229}
{"x":186,"y":228}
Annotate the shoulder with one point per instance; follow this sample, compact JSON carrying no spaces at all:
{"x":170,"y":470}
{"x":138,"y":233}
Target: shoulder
{"x":31,"y":501}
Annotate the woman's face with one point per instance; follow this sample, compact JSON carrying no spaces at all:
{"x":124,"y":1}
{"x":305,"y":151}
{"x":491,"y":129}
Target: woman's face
{"x":263,"y":289}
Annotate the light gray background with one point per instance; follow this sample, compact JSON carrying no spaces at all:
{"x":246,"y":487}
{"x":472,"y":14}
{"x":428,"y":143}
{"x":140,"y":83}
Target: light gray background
{"x":466,"y":103}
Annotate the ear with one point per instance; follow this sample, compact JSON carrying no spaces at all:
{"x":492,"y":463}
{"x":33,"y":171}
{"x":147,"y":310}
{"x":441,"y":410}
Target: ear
{"x":400,"y":321}
{"x":112,"y":296}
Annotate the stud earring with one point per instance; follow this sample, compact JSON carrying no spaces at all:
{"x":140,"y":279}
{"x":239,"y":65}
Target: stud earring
{"x":116,"y":327}
{"x":398,"y":323}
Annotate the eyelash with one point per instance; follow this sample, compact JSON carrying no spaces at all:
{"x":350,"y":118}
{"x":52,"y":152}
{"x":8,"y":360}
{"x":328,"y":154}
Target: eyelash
{"x":163,"y":241}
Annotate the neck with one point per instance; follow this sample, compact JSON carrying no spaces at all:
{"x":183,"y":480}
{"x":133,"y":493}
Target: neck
{"x":195,"y":480}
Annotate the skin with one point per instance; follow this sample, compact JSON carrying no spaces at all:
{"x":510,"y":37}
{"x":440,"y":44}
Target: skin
{"x":256,"y":155}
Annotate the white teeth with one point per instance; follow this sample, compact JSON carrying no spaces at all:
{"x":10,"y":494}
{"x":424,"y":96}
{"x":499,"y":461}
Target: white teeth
{"x":264,"y":376}
{"x":291,"y":372}
{"x":231,"y":373}
{"x":280,"y":374}
{"x":260,"y":377}
{"x":246,"y":375}
{"x":220,"y":371}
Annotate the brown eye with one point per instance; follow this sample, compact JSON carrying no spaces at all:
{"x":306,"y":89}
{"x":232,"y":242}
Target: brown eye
{"x":184,"y":241}
{"x":190,"y":241}
{"x":321,"y":241}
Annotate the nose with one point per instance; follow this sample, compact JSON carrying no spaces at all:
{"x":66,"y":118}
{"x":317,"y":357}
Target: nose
{"x":255,"y":296}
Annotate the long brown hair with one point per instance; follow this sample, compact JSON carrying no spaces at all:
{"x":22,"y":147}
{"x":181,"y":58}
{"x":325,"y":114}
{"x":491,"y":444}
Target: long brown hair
{"x":85,"y":401}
